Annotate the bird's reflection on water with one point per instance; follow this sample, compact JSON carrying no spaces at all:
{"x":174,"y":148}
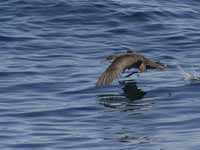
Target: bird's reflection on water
{"x":129,"y":99}
{"x":131,"y":90}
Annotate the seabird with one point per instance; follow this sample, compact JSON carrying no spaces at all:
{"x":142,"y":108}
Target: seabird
{"x":123,"y":61}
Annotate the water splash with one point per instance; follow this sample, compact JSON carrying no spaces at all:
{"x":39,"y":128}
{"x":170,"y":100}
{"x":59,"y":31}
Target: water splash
{"x":194,"y":75}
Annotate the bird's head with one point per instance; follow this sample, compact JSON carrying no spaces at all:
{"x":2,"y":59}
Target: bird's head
{"x":111,"y":58}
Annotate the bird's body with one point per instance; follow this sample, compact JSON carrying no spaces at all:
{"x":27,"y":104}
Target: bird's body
{"x":124,"y":61}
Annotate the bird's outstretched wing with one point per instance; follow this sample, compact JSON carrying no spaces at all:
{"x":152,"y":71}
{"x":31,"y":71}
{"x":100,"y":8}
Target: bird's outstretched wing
{"x":154,"y":65}
{"x":115,"y":69}
{"x":109,"y":75}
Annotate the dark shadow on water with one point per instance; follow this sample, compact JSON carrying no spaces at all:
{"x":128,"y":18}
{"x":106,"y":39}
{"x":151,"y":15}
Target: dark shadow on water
{"x":128,"y":99}
{"x":131,"y":90}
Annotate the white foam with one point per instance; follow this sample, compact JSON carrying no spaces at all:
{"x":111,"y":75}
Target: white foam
{"x":189,"y":75}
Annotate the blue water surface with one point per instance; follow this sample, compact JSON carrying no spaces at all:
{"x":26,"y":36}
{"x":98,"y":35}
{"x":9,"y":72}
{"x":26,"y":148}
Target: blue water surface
{"x":52,"y":53}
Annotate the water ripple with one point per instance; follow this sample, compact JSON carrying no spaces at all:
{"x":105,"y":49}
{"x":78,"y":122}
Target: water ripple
{"x":52,"y":53}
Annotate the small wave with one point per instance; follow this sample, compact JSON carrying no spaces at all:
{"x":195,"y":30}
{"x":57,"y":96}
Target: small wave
{"x":77,"y":111}
{"x":7,"y":38}
{"x":18,"y":73}
{"x":189,"y":75}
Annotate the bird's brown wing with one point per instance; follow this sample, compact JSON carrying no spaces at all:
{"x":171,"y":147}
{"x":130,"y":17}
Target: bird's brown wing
{"x":115,"y":69}
{"x":154,"y":65}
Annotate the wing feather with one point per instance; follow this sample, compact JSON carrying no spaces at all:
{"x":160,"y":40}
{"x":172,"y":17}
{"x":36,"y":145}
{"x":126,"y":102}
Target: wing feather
{"x":115,"y":69}
{"x":109,"y":75}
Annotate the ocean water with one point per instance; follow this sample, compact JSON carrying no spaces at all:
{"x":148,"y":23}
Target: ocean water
{"x":52,"y":53}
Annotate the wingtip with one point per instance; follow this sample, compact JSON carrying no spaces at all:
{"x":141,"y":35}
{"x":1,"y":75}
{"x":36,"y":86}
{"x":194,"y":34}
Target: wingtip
{"x":98,"y":84}
{"x":101,"y":83}
{"x":162,"y":66}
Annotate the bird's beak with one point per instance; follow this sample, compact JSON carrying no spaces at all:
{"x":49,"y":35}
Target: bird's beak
{"x":104,"y":61}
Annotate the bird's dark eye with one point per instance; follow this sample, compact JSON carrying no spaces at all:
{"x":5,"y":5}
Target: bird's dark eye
{"x":109,"y":57}
{"x":129,"y":51}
